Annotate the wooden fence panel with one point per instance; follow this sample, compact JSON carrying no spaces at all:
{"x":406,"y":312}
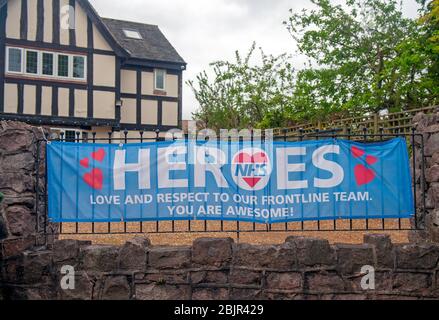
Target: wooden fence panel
{"x":391,"y":123}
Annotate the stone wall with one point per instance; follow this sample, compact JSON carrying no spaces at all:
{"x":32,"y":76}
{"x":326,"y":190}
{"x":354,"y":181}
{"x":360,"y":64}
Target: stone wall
{"x":18,"y":184}
{"x":18,"y":222}
{"x":428,"y":126}
{"x":219,"y":269}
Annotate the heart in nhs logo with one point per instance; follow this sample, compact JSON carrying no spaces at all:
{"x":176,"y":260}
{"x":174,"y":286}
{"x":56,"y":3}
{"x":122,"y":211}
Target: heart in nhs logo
{"x":251,"y":169}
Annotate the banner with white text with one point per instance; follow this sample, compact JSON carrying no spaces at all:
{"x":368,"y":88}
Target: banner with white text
{"x":258,"y":182}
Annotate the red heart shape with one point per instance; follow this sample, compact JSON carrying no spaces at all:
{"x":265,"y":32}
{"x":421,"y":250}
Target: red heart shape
{"x":357,"y":153}
{"x":98,"y":155}
{"x":260,"y":158}
{"x":363,"y":175}
{"x":371,"y":160}
{"x":94,"y":179}
{"x":244,"y":158}
{"x":252,"y":181}
{"x":84,"y":163}
{"x":256,"y":158}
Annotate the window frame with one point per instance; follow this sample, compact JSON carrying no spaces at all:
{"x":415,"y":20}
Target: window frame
{"x":25,"y":62}
{"x":54,"y":64}
{"x":164,"y":79}
{"x":68,"y":66}
{"x":126,"y":33}
{"x":54,"y":76}
{"x":73,"y":66}
{"x":83,"y":135}
{"x":70,"y":131}
{"x":21,"y":60}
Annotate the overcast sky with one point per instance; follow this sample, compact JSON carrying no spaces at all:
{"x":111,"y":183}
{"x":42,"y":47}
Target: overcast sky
{"x":203,"y":31}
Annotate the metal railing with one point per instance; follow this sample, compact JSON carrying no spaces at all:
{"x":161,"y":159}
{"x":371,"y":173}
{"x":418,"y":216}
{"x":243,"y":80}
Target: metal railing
{"x":198,"y":226}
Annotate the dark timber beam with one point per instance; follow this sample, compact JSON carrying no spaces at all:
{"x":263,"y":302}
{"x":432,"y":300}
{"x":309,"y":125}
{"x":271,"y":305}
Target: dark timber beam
{"x":39,"y":93}
{"x":180,"y":100}
{"x":40,"y":21}
{"x":58,"y":121}
{"x":72,"y":32}
{"x":56,"y":23}
{"x":139,"y":98}
{"x":3,"y":12}
{"x":55,"y":47}
{"x":90,"y":45}
{"x":23,"y":20}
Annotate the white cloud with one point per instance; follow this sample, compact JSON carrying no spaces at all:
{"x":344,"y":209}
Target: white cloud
{"x":203,"y":31}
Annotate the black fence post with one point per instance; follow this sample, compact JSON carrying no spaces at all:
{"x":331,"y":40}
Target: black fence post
{"x":110,"y":141}
{"x":317,"y":131}
{"x":78,"y":140}
{"x":349,"y":137}
{"x":141,"y":141}
{"x":301,"y":136}
{"x":334,"y":136}
{"x":252,"y":145}
{"x":367,"y":211}
{"x":414,"y":176}
{"x":423,"y":186}
{"x":381,"y":140}
{"x":62,"y":135}
{"x":240,"y":140}
{"x":399,"y":220}
{"x":285,"y":140}
{"x":93,"y":139}
{"x":157,"y":138}
{"x":125,"y":134}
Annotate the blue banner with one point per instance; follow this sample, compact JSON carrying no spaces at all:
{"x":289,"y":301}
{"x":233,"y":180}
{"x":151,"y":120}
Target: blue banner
{"x":231,"y":181}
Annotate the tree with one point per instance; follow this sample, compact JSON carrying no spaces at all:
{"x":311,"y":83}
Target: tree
{"x":241,"y":94}
{"x":363,"y":57}
{"x":430,"y":20}
{"x":430,"y":40}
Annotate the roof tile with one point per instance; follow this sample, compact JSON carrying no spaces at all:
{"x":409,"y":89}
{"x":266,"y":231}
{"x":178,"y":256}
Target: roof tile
{"x":152,"y":46}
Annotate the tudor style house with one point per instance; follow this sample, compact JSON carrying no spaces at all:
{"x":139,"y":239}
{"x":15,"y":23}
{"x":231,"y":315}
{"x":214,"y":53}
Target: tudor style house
{"x":63,"y":66}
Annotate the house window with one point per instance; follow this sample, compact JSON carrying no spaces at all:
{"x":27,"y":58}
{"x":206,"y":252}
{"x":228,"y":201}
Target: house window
{"x":70,"y":135}
{"x":31,"y":62}
{"x":47,"y":64}
{"x":14,"y":59}
{"x":78,"y":67}
{"x":133,"y":34}
{"x":85,"y":137}
{"x":159,"y":79}
{"x":63,"y":65}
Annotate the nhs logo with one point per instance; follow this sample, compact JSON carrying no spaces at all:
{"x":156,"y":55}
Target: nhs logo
{"x":251,"y":169}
